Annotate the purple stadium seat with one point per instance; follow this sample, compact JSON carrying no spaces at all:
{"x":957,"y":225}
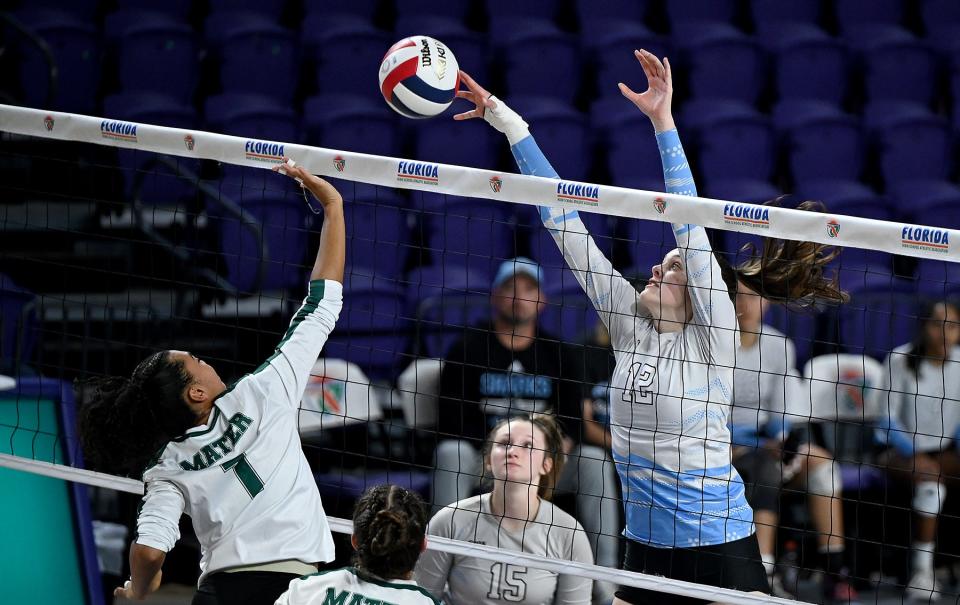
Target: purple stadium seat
{"x":428,"y":9}
{"x":941,"y":20}
{"x":829,"y":145}
{"x":612,"y":49}
{"x":811,"y":67}
{"x":914,"y":148}
{"x":597,"y":17}
{"x":248,"y":43}
{"x":752,"y":139}
{"x":768,"y":12}
{"x":561,"y":134}
{"x":269,"y":8}
{"x":284,"y":220}
{"x":251,"y":115}
{"x":648,"y":242}
{"x":378,"y":237}
{"x":18,"y":322}
{"x":472,"y":233}
{"x":75,"y":46}
{"x":444,"y":318}
{"x":907,"y":71}
{"x":626,"y":136}
{"x":441,"y":140}
{"x":854,"y":13}
{"x":352,"y":123}
{"x":157,"y":54}
{"x":177,"y":9}
{"x":681,"y":12}
{"x":879,"y":317}
{"x":721,"y":62}
{"x":847,"y":197}
{"x":366,"y":9}
{"x":569,"y":315}
{"x":469,"y":46}
{"x":347,"y":52}
{"x":747,"y":191}
{"x":508,"y":9}
{"x":428,"y":281}
{"x":864,"y":36}
{"x":929,"y":202}
{"x":158,"y":184}
{"x":373,"y":330}
{"x":539,"y":59}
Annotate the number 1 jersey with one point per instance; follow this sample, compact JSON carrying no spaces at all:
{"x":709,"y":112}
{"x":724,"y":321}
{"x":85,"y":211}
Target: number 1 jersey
{"x":242,"y":477}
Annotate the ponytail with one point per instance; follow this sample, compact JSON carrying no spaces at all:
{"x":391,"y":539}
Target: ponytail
{"x":124,"y":421}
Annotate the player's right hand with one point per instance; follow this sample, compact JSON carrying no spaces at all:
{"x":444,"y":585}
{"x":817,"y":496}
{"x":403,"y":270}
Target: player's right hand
{"x":325,"y":193}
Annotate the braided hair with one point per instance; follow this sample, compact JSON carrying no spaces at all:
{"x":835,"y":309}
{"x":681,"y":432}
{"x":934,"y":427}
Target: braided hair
{"x":389,"y":524}
{"x":124,"y":421}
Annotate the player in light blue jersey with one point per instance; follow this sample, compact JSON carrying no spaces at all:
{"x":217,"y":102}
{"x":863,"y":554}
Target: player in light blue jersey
{"x":674,"y":344}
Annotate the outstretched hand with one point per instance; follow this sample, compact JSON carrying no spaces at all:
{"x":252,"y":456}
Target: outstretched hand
{"x":476,"y":94}
{"x":325,"y":193}
{"x":655,"y":102}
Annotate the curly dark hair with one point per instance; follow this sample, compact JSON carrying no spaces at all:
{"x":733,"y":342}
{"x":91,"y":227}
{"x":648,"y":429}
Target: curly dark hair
{"x":389,"y":523}
{"x":124,"y":421}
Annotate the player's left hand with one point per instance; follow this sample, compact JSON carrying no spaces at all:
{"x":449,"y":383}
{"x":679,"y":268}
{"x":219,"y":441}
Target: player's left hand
{"x":476,"y":94}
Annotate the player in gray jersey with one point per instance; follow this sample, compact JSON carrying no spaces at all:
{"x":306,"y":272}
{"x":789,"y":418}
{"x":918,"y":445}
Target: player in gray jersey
{"x":919,"y":408}
{"x":524,"y":456}
{"x":230,"y":458}
{"x":389,"y":528}
{"x":765,"y":381}
{"x":675,"y":346}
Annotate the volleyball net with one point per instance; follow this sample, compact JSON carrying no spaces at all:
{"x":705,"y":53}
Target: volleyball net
{"x":122,"y":238}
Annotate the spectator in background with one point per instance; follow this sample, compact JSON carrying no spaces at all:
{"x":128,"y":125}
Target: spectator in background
{"x":763,"y":383}
{"x":512,"y":366}
{"x":524,"y":456}
{"x":920,"y":422}
{"x":389,"y":533}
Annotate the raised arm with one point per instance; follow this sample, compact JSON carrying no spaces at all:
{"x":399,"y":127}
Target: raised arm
{"x":712,"y":307}
{"x":287,"y":371}
{"x":610,"y":293}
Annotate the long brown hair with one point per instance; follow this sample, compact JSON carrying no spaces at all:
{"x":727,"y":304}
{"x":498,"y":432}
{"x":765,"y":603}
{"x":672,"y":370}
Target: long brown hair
{"x":788,"y":272}
{"x":553,"y":448}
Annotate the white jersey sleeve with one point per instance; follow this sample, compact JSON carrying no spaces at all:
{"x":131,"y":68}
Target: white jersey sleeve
{"x":158,"y":522}
{"x":286,"y":372}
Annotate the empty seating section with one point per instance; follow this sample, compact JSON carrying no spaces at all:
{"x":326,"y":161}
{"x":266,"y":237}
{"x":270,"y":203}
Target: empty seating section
{"x":852,"y":102}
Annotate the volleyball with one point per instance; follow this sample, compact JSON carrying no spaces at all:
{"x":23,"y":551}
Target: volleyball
{"x":419,"y":77}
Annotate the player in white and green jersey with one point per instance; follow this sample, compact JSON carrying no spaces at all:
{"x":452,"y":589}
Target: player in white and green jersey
{"x":230,"y":458}
{"x":389,"y":527}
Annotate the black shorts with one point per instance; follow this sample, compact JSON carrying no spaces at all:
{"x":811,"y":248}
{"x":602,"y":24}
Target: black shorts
{"x":735,"y":565}
{"x":243,"y":588}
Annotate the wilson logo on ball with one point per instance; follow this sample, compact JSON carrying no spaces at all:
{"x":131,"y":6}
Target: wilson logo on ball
{"x":419,"y":77}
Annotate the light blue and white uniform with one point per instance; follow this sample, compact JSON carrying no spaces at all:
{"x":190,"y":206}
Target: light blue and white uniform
{"x":670,"y":395}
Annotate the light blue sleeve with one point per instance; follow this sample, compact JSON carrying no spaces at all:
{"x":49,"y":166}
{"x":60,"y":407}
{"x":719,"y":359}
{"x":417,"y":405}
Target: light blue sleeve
{"x":891,"y":432}
{"x":612,"y":295}
{"x":713,"y":310}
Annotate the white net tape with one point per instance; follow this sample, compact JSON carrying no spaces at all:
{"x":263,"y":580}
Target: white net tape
{"x":895,"y":238}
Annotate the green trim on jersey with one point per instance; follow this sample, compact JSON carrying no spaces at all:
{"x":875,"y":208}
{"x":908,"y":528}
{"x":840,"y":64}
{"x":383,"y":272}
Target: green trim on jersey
{"x":315,"y":295}
{"x":210,"y":426}
{"x":370,"y":580}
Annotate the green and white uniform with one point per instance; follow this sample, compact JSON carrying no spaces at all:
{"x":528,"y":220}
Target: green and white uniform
{"x":242,"y":477}
{"x":347,"y":587}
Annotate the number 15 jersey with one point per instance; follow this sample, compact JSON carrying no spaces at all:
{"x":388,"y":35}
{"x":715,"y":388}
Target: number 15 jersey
{"x":242,"y":477}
